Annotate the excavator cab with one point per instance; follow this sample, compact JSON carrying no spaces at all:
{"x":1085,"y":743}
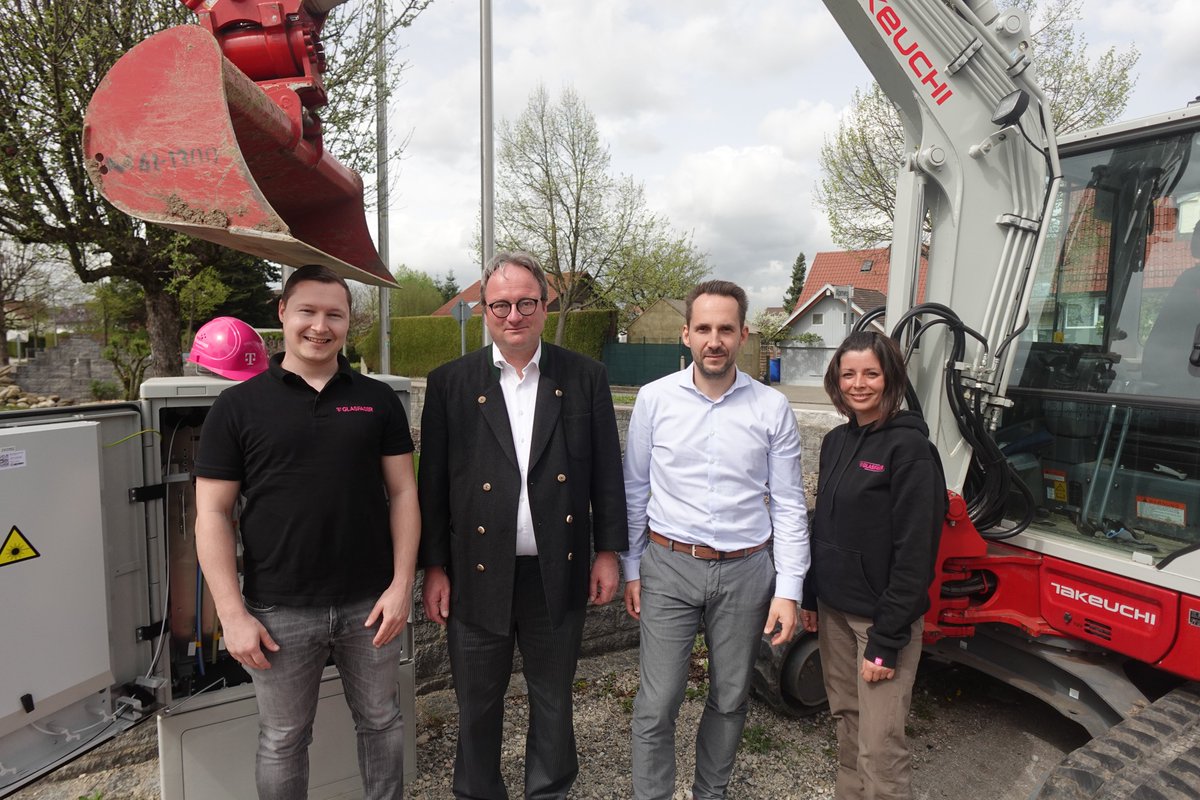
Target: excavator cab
{"x":212,"y":130}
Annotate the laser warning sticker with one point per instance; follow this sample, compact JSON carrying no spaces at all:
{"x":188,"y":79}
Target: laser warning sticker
{"x":16,"y":548}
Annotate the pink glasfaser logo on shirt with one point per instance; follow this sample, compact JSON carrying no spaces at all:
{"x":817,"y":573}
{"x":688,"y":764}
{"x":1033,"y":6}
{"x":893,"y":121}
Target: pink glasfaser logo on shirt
{"x":348,"y":409}
{"x":870,"y":466}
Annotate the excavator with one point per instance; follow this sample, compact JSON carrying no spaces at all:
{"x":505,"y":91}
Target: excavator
{"x":1056,"y":359}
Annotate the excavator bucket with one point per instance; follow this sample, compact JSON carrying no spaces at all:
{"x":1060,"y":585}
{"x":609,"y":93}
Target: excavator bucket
{"x":178,"y":136}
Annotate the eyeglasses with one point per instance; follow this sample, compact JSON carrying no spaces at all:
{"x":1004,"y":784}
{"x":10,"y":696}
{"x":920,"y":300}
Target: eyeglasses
{"x":525,"y":307}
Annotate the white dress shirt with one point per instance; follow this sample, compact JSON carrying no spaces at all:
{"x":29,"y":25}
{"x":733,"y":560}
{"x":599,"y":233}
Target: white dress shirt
{"x":520,"y":398}
{"x":723,"y":473}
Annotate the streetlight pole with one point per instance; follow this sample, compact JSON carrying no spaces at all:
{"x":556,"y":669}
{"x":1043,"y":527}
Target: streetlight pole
{"x":381,"y":184}
{"x":487,"y":148}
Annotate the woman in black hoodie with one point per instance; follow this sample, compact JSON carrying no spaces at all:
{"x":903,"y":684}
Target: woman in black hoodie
{"x":881,"y":500}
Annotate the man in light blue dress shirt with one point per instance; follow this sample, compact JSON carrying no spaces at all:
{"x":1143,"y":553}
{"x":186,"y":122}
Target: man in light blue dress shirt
{"x":712,"y":477}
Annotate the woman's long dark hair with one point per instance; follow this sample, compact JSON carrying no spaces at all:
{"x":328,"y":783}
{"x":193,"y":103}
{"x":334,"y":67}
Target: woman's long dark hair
{"x":891,"y":361}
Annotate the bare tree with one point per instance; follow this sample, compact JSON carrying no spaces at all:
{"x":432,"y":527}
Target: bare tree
{"x":558,"y":199}
{"x":21,"y":286}
{"x":860,"y":161}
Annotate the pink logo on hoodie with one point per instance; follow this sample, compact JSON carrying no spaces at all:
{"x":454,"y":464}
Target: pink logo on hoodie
{"x":870,"y":466}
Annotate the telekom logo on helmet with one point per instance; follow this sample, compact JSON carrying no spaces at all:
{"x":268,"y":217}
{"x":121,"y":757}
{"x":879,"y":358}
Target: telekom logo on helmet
{"x":228,"y":347}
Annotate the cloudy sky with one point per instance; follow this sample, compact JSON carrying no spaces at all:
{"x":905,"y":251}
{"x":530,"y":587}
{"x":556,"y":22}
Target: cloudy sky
{"x":718,"y":108}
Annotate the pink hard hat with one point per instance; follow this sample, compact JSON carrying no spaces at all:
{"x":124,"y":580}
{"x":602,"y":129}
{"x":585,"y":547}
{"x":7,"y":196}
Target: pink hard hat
{"x":230,"y":348}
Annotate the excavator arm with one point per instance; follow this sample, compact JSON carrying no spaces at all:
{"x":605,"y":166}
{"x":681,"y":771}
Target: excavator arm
{"x":212,"y":130}
{"x":981,"y":163}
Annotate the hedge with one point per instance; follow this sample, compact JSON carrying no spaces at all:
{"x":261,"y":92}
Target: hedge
{"x":420,"y":344}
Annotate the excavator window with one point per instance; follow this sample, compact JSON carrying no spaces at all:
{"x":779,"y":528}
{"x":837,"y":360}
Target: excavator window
{"x":1105,"y":426}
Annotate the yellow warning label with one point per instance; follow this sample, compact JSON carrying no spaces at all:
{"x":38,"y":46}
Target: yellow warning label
{"x":16,"y":548}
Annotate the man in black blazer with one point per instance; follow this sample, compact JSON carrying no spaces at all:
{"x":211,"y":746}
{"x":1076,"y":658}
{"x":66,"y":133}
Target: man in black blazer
{"x":520,"y":481}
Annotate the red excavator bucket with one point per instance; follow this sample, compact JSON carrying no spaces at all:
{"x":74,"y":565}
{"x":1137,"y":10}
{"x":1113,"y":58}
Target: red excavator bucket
{"x":179,"y":136}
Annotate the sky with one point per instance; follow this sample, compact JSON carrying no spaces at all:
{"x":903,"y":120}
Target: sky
{"x":718,"y":108}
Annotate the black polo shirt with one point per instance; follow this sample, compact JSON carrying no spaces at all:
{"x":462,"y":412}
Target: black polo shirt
{"x":314,"y":527}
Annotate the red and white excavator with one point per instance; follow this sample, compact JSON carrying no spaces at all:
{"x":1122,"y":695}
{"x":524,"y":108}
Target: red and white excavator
{"x":1056,"y":359}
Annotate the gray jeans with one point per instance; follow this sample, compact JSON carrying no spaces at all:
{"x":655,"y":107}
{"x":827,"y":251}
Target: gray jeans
{"x":287,"y":697}
{"x":732,"y":599}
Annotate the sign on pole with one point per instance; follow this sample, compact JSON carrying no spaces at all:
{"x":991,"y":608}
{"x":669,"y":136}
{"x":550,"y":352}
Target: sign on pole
{"x":462,"y":312}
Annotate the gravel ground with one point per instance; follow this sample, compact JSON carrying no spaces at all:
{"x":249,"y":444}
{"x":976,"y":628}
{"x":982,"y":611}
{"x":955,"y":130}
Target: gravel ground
{"x":969,"y":735}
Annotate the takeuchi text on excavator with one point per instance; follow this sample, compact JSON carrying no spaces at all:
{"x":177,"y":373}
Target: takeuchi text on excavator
{"x":213,"y":130}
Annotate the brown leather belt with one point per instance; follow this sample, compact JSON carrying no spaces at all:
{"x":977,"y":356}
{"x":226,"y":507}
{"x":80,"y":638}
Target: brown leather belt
{"x":704,"y":551}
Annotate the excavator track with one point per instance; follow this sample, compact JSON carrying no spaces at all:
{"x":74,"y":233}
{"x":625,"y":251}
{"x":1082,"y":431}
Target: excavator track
{"x":1154,"y":755}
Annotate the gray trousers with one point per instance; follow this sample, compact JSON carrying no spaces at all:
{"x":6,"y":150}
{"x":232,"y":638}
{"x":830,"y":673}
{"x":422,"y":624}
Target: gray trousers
{"x":678,"y":593}
{"x":873,"y":758}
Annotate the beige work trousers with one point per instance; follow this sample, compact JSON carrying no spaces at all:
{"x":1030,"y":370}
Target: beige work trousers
{"x":873,"y":758}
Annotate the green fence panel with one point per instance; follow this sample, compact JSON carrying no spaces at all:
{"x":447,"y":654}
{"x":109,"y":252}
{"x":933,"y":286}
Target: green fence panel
{"x":633,"y":364}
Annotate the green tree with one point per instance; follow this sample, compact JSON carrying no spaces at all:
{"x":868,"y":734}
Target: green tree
{"x":115,"y":305}
{"x":53,"y":53}
{"x":797,"y":286}
{"x":448,"y":286}
{"x":199,"y":296}
{"x":416,"y":294}
{"x":859,"y":162}
{"x":771,"y":327}
{"x":655,"y":263}
{"x":250,"y":297}
{"x":557,"y":198}
{"x":129,"y":353}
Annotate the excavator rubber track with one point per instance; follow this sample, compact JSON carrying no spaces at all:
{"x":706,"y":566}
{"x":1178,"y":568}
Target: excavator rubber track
{"x":1154,"y":755}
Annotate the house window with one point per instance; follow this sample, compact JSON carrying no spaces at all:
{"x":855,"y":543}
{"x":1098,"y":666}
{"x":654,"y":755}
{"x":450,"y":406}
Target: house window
{"x":818,"y":319}
{"x":866,"y":265}
{"x":845,"y":318}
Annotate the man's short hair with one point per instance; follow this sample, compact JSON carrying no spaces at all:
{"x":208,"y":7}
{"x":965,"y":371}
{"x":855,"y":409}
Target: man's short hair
{"x":313,"y":272}
{"x":723,"y":289}
{"x":521,"y":259}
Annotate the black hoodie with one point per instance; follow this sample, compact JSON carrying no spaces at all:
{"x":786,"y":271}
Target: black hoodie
{"x":881,"y":501}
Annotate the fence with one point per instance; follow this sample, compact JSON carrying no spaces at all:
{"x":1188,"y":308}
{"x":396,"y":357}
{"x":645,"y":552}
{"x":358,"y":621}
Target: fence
{"x":632,"y":364}
{"x":804,"y":366}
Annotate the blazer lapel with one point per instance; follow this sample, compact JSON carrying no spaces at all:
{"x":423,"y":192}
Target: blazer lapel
{"x":495,"y":412}
{"x":549,"y":408}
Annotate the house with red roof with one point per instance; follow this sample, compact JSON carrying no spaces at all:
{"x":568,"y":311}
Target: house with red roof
{"x":470,"y":295}
{"x":839,"y":288}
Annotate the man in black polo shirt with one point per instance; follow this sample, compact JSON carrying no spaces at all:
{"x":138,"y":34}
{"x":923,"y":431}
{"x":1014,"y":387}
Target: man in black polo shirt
{"x":328,"y":555}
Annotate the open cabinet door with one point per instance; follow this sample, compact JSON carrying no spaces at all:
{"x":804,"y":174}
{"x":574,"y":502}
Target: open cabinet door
{"x":73,"y":581}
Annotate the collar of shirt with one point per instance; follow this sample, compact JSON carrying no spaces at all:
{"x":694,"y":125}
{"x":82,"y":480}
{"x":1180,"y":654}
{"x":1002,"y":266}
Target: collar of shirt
{"x":687,"y":380}
{"x":275,"y":367}
{"x":500,"y":362}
